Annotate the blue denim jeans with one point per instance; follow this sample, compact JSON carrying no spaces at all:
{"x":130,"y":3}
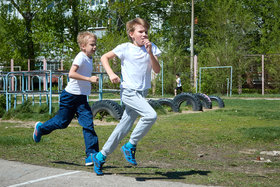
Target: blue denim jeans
{"x":69,"y":106}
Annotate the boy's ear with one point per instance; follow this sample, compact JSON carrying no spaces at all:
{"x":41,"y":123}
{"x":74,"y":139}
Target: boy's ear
{"x":83,"y":46}
{"x":131,"y":35}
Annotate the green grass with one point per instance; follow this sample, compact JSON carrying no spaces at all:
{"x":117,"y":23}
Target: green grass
{"x":256,"y":95}
{"x":210,"y":148}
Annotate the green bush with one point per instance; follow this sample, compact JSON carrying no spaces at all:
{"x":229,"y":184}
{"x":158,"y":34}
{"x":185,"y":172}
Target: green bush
{"x":2,"y":105}
{"x":28,"y":111}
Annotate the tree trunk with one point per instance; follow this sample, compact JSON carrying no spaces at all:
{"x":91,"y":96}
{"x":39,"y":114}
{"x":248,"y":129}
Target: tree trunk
{"x":239,"y":77}
{"x":30,"y":44}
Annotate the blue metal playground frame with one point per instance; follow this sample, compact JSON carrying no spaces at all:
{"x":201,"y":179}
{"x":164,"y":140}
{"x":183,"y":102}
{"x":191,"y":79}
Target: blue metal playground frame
{"x":11,"y":79}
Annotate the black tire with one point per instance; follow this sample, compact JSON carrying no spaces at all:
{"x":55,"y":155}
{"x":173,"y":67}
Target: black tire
{"x":155,"y":104}
{"x":220,"y":102}
{"x":169,"y":102}
{"x":205,"y":100}
{"x":189,"y":98}
{"x":109,"y":106}
{"x":120,"y":108}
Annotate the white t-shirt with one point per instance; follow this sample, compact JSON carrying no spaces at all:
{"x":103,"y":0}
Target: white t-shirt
{"x":135,"y":65}
{"x":178,"y":82}
{"x":80,"y":87}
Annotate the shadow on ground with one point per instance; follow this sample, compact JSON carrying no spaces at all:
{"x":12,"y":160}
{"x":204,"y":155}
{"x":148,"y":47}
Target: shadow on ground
{"x":154,"y":175}
{"x":173,"y":175}
{"x":168,"y":175}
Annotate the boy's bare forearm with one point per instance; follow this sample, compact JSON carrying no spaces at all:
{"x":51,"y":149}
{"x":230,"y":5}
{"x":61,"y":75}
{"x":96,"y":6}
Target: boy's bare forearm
{"x":155,"y":63}
{"x":106,"y":65}
{"x":73,"y":74}
{"x":77,"y":76}
{"x":105,"y":62}
{"x":154,"y":60}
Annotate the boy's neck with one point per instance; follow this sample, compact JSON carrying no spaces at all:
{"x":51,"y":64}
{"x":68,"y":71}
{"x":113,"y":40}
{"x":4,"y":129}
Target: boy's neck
{"x":86,"y":54}
{"x":134,"y":43}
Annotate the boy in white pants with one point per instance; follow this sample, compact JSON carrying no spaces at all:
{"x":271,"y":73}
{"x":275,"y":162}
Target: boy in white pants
{"x":137,"y":60}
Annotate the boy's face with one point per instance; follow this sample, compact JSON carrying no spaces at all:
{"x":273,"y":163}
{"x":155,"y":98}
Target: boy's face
{"x":90,"y":47}
{"x":139,"y":35}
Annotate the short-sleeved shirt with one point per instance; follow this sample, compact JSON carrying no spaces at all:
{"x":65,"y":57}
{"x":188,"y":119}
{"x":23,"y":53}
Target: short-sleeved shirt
{"x":179,"y":82}
{"x":136,"y":65}
{"x":81,"y":87}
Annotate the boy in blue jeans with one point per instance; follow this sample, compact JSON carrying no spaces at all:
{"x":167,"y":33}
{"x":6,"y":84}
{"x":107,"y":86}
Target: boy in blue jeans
{"x":138,"y":58}
{"x":73,"y":99}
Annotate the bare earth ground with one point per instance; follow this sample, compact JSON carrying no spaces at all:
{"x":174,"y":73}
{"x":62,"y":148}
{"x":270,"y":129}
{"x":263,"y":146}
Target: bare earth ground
{"x":30,"y":124}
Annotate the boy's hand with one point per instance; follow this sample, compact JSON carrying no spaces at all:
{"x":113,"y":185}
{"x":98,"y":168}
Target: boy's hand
{"x":114,"y":78}
{"x":93,"y":79}
{"x":148,"y":45}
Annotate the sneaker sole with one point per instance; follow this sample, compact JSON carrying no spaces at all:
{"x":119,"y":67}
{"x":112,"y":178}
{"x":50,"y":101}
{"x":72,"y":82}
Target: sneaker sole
{"x":35,"y":132}
{"x":89,"y":164}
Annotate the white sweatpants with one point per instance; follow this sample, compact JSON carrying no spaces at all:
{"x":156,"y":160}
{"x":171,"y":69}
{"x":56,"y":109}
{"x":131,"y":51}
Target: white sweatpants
{"x":135,"y":105}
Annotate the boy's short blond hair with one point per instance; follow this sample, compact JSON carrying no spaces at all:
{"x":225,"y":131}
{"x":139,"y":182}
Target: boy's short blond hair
{"x":130,"y":25}
{"x":84,"y":36}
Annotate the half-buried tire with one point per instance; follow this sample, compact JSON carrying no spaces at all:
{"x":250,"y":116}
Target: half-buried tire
{"x":155,"y":104}
{"x":217,"y":99}
{"x":107,"y":106}
{"x":169,"y":102}
{"x":205,"y":100}
{"x":190,"y":99}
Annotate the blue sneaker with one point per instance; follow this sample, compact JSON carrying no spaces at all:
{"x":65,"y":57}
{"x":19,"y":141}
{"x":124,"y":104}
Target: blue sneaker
{"x":129,"y":154}
{"x":37,"y":134}
{"x":88,"y":160}
{"x":97,"y":165}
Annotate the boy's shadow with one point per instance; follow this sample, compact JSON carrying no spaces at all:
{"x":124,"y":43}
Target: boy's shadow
{"x":163,"y":175}
{"x":66,"y":163}
{"x":169,"y":174}
{"x":75,"y":164}
{"x":173,"y":175}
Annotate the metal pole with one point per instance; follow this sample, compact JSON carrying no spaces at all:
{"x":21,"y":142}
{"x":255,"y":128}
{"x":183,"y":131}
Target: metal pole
{"x":196,"y":86}
{"x":7,"y":95}
{"x":100,"y":90}
{"x":230,"y":81}
{"x":50,"y":101}
{"x":12,"y":70}
{"x":191,"y":44}
{"x":162,"y":78}
{"x":200,"y":80}
{"x":262,"y":74}
{"x":28,"y":69}
{"x":195,"y":71}
{"x":44,"y":68}
{"x":227,"y":86}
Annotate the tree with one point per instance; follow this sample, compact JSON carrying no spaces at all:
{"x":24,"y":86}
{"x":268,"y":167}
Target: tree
{"x":10,"y":36}
{"x":266,"y":18}
{"x":225,"y":28}
{"x":28,"y":9}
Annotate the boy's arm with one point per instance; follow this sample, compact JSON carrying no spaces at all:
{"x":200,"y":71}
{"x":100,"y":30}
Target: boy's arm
{"x":74,"y":75}
{"x":155,"y":63}
{"x":154,"y":59}
{"x":105,"y":62}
